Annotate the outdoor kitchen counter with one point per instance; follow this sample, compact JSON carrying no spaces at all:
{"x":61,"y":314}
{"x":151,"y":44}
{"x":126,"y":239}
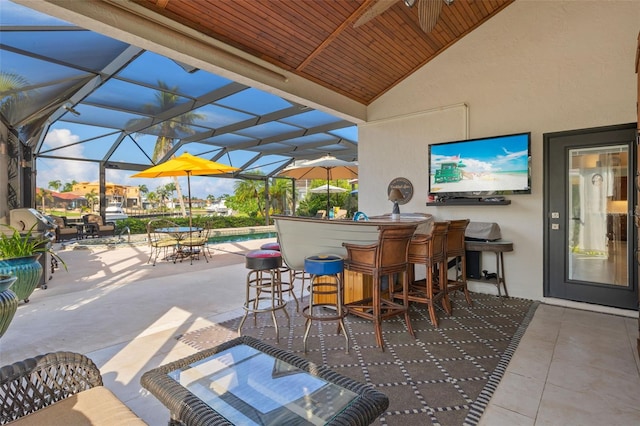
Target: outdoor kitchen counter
{"x":300,"y":237}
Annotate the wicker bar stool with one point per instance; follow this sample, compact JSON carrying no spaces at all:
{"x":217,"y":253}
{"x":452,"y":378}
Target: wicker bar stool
{"x":325,"y":296}
{"x":264,"y":280}
{"x":287,"y":286}
{"x":430,"y":251}
{"x":457,"y":257}
{"x":386,"y":257}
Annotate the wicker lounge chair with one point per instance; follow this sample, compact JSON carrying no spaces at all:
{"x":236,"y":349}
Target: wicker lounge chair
{"x":60,"y":388}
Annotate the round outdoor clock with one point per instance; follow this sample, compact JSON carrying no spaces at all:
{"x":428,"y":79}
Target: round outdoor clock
{"x":405,"y":186}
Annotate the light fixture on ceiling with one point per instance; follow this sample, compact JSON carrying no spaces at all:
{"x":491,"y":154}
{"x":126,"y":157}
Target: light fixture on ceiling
{"x":395,"y":195}
{"x":428,"y":11}
{"x":411,"y":3}
{"x":71,"y":109}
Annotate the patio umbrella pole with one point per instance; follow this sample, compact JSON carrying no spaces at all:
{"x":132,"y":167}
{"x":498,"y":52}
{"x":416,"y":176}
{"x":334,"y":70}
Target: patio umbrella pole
{"x":328,"y":202}
{"x":189,"y":193}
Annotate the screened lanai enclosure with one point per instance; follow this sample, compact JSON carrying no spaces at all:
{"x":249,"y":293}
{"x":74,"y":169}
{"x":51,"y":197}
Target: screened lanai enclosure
{"x":81,"y":101}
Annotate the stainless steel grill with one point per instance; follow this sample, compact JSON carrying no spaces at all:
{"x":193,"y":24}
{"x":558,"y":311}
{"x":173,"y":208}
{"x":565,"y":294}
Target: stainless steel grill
{"x":31,"y":219}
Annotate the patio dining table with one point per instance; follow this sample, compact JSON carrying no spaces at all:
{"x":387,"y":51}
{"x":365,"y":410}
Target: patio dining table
{"x":180,"y":233}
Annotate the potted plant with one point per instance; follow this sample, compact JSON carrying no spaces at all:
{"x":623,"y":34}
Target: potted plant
{"x":19,"y":254}
{"x":8,"y":302}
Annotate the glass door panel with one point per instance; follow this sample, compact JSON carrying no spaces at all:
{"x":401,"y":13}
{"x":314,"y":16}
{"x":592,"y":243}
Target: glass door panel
{"x":598,"y":220}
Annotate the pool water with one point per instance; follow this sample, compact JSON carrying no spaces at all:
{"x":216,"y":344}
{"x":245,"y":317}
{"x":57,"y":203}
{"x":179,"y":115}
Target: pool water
{"x":241,"y":237}
{"x":141,"y":239}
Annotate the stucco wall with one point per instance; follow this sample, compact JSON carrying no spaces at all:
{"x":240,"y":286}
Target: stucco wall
{"x":538,"y":66}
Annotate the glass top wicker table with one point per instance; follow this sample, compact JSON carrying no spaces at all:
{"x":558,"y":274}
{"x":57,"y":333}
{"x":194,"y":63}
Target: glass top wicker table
{"x":247,"y":382}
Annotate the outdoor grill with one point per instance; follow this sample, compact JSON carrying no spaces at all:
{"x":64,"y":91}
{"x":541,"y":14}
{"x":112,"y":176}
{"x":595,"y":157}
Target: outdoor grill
{"x":42,"y":228}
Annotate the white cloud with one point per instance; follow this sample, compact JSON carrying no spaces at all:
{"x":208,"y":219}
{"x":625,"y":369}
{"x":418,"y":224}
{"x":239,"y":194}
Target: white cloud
{"x":61,"y":137}
{"x":83,"y":171}
{"x":64,"y":170}
{"x":201,"y":187}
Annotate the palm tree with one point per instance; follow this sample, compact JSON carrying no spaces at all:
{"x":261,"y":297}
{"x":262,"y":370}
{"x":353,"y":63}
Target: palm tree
{"x":163,"y":194}
{"x":171,"y":188}
{"x":152,"y":198}
{"x":168,"y":131}
{"x":12,"y":96}
{"x":281,"y":194}
{"x":92,"y":198}
{"x":55,"y":185}
{"x":42,"y":196}
{"x":250,"y":193}
{"x":68,"y":187}
{"x":143,"y":191}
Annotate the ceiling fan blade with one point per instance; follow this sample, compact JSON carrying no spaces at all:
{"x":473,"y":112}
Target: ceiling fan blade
{"x":376,"y":9}
{"x":428,"y":13}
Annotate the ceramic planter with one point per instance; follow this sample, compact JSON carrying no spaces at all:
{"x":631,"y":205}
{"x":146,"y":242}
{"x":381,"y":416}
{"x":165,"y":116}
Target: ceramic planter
{"x":27,"y":269}
{"x":8,"y":302}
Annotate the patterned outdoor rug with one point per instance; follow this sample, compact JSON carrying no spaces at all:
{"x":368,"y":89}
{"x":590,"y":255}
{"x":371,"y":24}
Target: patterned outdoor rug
{"x":445,"y":376}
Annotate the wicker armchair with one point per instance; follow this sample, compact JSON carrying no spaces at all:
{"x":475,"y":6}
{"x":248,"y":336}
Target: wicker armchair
{"x":64,"y":231}
{"x":96,"y":227}
{"x":48,"y":387}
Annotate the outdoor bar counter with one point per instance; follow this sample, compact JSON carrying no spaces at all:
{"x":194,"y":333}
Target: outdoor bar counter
{"x":300,"y":237}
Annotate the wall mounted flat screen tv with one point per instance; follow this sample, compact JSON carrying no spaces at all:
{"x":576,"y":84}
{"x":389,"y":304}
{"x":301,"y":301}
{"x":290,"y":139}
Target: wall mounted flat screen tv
{"x":475,"y":168}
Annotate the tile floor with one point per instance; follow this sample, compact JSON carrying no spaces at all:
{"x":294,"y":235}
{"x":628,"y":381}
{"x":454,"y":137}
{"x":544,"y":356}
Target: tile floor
{"x":572,"y":367}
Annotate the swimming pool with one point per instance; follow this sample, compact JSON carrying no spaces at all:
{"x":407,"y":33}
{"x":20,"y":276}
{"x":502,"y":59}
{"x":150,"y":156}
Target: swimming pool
{"x":141,"y":239}
{"x":241,"y":237}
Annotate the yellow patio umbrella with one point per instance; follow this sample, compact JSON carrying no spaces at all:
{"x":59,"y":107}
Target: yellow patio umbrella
{"x":186,"y":165}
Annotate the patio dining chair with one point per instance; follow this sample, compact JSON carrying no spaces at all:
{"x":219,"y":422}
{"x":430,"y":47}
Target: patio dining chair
{"x":161,"y":242}
{"x":195,"y":243}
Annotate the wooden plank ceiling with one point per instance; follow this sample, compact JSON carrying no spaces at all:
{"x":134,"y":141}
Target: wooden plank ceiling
{"x":316,"y":39}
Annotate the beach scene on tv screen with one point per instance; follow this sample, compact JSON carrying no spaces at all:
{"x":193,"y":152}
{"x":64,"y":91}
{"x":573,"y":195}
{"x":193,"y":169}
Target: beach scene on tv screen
{"x":493,"y":165}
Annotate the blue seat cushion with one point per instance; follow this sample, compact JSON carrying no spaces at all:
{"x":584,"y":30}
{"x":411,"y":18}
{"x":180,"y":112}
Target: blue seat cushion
{"x":324,"y":264}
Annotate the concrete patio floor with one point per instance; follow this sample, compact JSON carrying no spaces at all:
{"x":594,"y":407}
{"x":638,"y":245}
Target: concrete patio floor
{"x":571,"y":367}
